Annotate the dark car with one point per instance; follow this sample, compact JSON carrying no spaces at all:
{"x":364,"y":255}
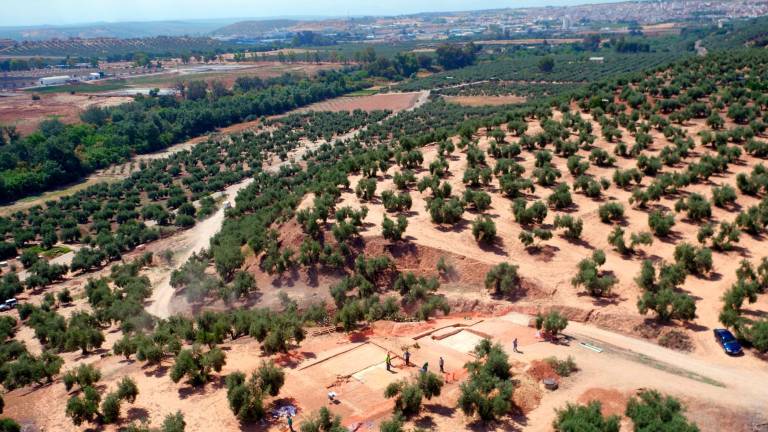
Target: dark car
{"x":728,"y":341}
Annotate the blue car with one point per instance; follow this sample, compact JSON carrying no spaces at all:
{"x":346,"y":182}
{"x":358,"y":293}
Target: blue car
{"x":729,"y":343}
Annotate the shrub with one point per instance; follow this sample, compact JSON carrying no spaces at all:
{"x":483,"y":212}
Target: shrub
{"x":668,"y":305}
{"x":551,"y":324}
{"x":404,"y":179}
{"x":393,"y":231}
{"x":396,"y":203}
{"x":84,"y":408}
{"x":650,"y":411}
{"x":612,"y":211}
{"x":563,"y":368}
{"x":696,"y":206}
{"x":724,"y":195}
{"x":444,"y":211}
{"x":528,"y":238}
{"x":407,"y":397}
{"x":487,"y":392}
{"x":660,"y":223}
{"x":323,"y":421}
{"x":366,"y":188}
{"x":484,"y":230}
{"x":480,"y":200}
{"x":561,"y":197}
{"x":503,"y":279}
{"x":174,"y":423}
{"x":573,"y":227}
{"x":589,"y":275}
{"x":84,"y":376}
{"x":197,"y":365}
{"x":577,"y":418}
{"x":529,"y":215}
{"x":694,"y":260}
{"x":246,"y":397}
{"x":623,"y":178}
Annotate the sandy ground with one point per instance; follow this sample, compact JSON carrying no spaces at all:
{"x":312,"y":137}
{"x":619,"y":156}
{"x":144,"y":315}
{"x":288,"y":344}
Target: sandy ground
{"x":386,"y":101}
{"x":353,"y":367}
{"x":263,"y":70}
{"x":484,"y":100}
{"x":26,"y":114}
{"x":192,"y":241}
{"x":564,"y":255}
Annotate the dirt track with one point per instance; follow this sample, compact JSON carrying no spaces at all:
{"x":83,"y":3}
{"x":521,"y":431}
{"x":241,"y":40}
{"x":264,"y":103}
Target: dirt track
{"x":193,"y":241}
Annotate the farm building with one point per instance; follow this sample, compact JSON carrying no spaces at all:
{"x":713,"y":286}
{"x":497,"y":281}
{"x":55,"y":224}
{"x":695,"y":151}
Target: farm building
{"x":54,"y":80}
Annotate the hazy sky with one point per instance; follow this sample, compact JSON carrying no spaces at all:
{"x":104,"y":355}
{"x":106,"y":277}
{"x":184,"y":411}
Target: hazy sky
{"x":36,"y":12}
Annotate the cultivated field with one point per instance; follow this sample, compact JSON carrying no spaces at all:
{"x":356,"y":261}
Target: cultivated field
{"x":26,"y":114}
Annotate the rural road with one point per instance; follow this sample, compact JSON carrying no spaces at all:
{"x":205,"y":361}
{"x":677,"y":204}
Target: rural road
{"x":194,"y":240}
{"x":736,"y":374}
{"x":199,"y":236}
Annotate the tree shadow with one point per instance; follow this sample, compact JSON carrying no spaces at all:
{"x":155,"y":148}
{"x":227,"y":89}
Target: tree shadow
{"x":158,"y":371}
{"x":136,"y":414}
{"x":505,"y":424}
{"x":497,"y":247}
{"x":441,"y":410}
{"x":543,"y":252}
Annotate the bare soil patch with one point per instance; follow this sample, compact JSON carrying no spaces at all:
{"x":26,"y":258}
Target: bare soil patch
{"x":387,"y":101}
{"x":485,"y":100}
{"x":26,"y":114}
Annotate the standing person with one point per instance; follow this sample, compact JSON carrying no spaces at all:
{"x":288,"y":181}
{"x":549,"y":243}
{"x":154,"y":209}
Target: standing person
{"x":290,"y":423}
{"x":388,"y":361}
{"x":442,"y":365}
{"x":407,"y":357}
{"x":514,"y":346}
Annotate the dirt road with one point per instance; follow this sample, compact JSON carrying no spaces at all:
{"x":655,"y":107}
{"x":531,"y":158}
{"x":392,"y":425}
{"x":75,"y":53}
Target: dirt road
{"x":740,"y":376}
{"x":193,"y":241}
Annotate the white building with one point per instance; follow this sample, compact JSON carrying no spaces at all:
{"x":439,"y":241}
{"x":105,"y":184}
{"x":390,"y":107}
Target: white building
{"x":55,"y":80}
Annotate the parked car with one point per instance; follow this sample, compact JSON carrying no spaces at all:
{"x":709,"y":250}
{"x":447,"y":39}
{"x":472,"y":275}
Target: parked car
{"x":4,"y":307}
{"x":728,"y":341}
{"x":12,"y":302}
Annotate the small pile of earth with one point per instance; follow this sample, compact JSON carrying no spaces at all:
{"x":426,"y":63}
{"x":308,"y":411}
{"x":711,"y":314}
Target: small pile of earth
{"x":541,"y":370}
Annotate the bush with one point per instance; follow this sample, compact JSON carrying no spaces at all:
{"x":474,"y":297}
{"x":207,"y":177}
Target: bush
{"x":393,"y":231}
{"x":563,"y":368}
{"x":84,"y":408}
{"x":528,"y":238}
{"x":551,"y":324}
{"x":84,"y":376}
{"x":612,"y":211}
{"x":480,"y":200}
{"x":366,"y":188}
{"x":484,"y":230}
{"x":668,"y":305}
{"x":396,"y":203}
{"x":694,"y":260}
{"x":197,"y":365}
{"x":661,"y":223}
{"x":580,"y":418}
{"x":323,"y":421}
{"x":724,"y":195}
{"x":573,"y":227}
{"x":651,"y":411}
{"x":246,"y":397}
{"x":561,"y":197}
{"x":444,"y":211}
{"x":503,"y":279}
{"x":529,"y":215}
{"x":174,"y":423}
{"x":589,"y":276}
{"x":696,"y":206}
{"x":487,"y":392}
